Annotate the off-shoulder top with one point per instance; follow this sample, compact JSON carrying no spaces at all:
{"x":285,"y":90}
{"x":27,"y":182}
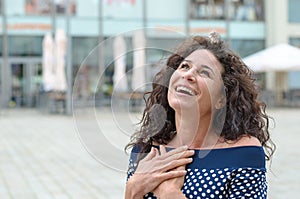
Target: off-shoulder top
{"x":236,"y":172}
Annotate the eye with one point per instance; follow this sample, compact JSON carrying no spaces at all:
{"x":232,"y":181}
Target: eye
{"x":184,"y":66}
{"x":205,"y":73}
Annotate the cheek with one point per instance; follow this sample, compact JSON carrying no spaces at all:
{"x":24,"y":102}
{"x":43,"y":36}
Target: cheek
{"x":205,"y":99}
{"x":172,"y":80}
{"x":215,"y":90}
{"x":169,"y":88}
{"x":205,"y":87}
{"x":172,"y":98}
{"x":209,"y":91}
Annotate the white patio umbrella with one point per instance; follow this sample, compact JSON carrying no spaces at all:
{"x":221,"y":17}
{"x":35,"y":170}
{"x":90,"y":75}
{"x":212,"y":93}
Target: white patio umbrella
{"x":60,"y":52}
{"x":139,"y":61}
{"x":48,"y":61}
{"x":281,"y":57}
{"x":120,"y":78}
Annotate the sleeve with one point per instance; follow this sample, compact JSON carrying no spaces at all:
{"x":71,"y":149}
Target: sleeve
{"x":132,"y":161}
{"x":131,"y":168}
{"x":248,"y":183}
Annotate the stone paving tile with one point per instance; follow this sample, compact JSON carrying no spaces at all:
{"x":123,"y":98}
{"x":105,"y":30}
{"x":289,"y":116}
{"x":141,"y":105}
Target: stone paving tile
{"x":4,"y":193}
{"x":284,"y":174}
{"x":43,"y":156}
{"x":46,"y":159}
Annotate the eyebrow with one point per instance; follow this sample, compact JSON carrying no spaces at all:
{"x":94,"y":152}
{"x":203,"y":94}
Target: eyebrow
{"x":202,"y":65}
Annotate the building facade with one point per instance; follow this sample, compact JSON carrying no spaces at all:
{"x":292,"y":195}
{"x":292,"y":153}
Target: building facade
{"x":283,"y":26}
{"x":91,"y":25}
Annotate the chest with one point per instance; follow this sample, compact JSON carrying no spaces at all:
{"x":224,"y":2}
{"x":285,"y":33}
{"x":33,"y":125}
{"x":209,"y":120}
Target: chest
{"x":204,"y":183}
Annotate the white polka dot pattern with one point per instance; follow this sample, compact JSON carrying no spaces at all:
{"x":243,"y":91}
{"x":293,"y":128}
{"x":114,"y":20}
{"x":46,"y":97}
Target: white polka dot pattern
{"x":220,"y":183}
{"x":131,"y":168}
{"x":237,"y":172}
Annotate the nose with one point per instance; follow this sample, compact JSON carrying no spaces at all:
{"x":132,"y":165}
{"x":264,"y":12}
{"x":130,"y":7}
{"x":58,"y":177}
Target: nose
{"x":189,"y":75}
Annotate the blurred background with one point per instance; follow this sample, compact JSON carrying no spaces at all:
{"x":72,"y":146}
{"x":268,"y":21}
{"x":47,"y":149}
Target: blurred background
{"x":72,"y":74}
{"x":28,"y":27}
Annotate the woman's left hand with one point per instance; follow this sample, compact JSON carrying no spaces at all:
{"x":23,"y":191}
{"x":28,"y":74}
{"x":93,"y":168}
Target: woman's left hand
{"x":170,"y":188}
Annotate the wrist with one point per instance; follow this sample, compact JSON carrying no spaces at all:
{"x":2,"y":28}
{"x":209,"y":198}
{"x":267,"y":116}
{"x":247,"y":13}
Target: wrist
{"x":132,"y":191}
{"x":171,"y":194}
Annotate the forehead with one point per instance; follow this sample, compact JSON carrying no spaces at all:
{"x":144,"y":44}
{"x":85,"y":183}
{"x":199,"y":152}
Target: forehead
{"x":204,"y":57}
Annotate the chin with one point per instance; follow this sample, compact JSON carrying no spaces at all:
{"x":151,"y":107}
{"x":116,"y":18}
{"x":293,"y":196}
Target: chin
{"x":180,"y":106}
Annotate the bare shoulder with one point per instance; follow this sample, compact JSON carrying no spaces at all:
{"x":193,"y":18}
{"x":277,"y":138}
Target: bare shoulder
{"x":247,"y":141}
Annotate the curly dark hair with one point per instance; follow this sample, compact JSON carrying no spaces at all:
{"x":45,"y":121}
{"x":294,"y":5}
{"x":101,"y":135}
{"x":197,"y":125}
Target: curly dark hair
{"x":244,"y":113}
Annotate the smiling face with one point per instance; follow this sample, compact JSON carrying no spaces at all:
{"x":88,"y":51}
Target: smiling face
{"x":197,"y":83}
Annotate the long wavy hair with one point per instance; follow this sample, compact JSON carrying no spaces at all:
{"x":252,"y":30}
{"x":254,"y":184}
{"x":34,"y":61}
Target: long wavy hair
{"x":244,"y":114}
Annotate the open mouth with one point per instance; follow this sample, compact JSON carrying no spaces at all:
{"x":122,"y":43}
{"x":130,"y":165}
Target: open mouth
{"x":185,"y":90}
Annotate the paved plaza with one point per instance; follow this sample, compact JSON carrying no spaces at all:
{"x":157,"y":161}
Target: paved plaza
{"x":45,"y":156}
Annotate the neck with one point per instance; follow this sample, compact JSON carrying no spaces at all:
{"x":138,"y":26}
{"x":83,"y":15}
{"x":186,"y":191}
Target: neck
{"x":195,"y":132}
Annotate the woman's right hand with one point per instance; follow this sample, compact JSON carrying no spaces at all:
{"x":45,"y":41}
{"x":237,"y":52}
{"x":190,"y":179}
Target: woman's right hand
{"x":155,"y":168}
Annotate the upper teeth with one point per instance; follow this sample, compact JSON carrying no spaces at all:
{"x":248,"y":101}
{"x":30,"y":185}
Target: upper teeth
{"x":182,"y":88}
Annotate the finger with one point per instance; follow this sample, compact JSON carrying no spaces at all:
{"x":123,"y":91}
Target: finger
{"x":178,"y":150}
{"x":156,"y":152}
{"x":185,"y":154}
{"x":151,"y":154}
{"x":177,"y":163}
{"x":162,"y":149}
{"x":182,"y":167}
{"x":171,"y":174}
{"x":182,"y":155}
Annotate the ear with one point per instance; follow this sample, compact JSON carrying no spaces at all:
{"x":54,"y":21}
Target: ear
{"x":221,"y":102}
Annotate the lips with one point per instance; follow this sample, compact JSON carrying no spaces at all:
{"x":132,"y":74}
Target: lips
{"x":185,"y":90}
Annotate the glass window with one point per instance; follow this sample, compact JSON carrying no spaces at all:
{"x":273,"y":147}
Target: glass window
{"x":85,"y":65}
{"x":40,"y":7}
{"x":1,"y":65}
{"x":294,"y":76}
{"x":293,"y":11}
{"x":122,"y":9}
{"x":207,"y":9}
{"x":295,"y":41}
{"x":247,"y":47}
{"x":163,"y":48}
{"x":1,"y":7}
{"x":157,"y":54}
{"x":247,"y":10}
{"x":81,"y":47}
{"x":25,"y":46}
{"x":242,"y":10}
{"x":1,"y":45}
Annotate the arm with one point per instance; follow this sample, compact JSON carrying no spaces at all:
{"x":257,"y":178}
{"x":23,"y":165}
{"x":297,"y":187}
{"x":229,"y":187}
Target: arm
{"x":173,"y":194}
{"x":155,"y":169}
{"x":169,"y":189}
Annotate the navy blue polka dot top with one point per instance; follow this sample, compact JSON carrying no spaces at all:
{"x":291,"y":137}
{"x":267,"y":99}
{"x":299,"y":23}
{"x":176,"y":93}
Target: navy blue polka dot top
{"x":237,"y":172}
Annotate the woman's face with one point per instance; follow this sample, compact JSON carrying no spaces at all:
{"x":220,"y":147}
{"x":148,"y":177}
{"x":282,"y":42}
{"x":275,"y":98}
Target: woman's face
{"x":196,"y":85}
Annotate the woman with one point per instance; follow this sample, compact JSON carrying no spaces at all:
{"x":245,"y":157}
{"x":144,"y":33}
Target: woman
{"x":203,"y":131}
